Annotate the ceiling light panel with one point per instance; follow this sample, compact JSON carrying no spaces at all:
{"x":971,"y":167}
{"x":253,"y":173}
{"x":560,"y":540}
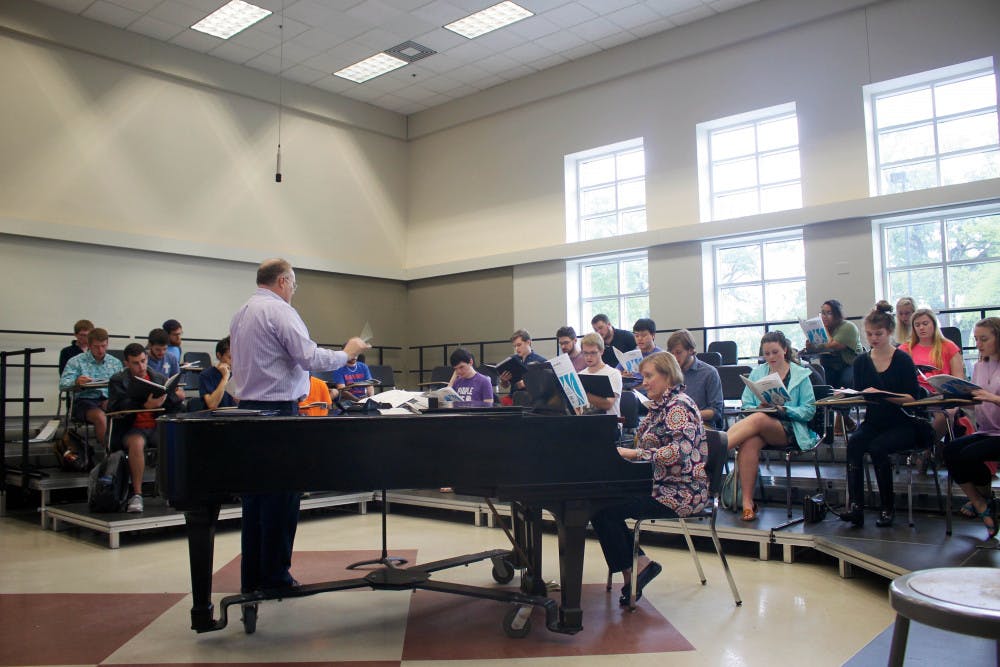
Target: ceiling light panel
{"x":489,"y":19}
{"x":369,"y":68}
{"x":230,"y":19}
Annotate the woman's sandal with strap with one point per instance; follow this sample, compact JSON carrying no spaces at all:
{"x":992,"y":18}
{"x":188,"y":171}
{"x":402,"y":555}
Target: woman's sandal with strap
{"x":749,"y":514}
{"x":990,"y":514}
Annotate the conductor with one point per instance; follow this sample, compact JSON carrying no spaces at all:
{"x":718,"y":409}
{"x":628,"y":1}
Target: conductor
{"x":272,"y":355}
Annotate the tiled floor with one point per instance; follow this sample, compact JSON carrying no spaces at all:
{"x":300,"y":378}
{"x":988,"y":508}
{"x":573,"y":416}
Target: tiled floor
{"x":65,"y":599}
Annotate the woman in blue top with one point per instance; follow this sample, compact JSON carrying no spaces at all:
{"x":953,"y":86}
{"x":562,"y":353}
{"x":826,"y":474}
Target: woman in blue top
{"x":787,"y":426}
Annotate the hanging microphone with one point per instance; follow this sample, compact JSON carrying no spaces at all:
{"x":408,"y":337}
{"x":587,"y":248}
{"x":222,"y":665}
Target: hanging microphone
{"x":277,"y":168}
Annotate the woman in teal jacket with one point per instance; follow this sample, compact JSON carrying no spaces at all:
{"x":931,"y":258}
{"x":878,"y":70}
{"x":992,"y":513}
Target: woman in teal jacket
{"x":786,"y":425}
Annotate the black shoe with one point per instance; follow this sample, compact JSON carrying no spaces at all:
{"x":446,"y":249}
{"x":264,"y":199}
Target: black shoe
{"x":647,"y":575}
{"x":856,"y":515}
{"x":885,"y":518}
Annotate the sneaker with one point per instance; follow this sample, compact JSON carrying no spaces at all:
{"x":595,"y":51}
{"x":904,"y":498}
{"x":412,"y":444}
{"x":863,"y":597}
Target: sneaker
{"x":134,"y":504}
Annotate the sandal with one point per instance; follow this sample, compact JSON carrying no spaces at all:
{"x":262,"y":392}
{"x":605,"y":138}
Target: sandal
{"x":990,"y":514}
{"x":968,"y":510}
{"x":749,"y":514}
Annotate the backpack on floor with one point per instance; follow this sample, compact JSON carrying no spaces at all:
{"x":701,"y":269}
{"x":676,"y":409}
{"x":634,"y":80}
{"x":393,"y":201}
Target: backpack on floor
{"x":731,"y":497}
{"x":109,"y":484}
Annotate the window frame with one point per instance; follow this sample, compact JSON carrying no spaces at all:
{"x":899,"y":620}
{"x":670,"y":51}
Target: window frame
{"x":577,"y":302}
{"x":710,"y":261}
{"x":930,"y":80}
{"x":881,"y":227}
{"x":704,"y":133}
{"x":574,"y":192}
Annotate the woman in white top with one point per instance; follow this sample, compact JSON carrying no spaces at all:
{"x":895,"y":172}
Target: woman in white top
{"x":593,"y":347}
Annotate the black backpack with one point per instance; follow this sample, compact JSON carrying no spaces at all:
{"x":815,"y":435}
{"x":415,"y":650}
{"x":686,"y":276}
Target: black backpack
{"x":109,"y":484}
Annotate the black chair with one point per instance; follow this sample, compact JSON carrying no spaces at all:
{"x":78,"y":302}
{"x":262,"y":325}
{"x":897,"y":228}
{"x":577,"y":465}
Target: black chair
{"x":203,"y":359}
{"x":710,"y":358}
{"x":727,"y":350}
{"x":385,"y":375}
{"x":440,"y":375}
{"x":118,"y":354}
{"x":954,"y":334}
{"x":717,"y":454}
{"x":817,"y":424}
{"x":732,"y":389}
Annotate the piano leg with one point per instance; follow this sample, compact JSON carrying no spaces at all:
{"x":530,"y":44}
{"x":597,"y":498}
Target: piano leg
{"x":572,"y":531}
{"x":527,"y":522}
{"x":201,"y":549}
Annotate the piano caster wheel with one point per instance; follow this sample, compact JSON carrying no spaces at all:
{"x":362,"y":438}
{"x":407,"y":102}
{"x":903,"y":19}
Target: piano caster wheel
{"x":250,"y":618}
{"x":517,"y":622}
{"x":503,"y":572}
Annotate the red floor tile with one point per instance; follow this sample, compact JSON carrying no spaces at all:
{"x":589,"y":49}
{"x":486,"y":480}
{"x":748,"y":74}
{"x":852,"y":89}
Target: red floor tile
{"x":70,"y":628}
{"x":310,"y":567}
{"x":450,"y":627}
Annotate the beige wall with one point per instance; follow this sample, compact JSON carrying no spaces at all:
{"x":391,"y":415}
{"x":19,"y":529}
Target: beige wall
{"x":51,"y":284}
{"x":108,"y":153}
{"x":459,"y":309}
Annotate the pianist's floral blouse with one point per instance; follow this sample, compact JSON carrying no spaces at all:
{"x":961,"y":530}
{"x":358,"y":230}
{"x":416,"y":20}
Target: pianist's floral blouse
{"x":672,"y":436}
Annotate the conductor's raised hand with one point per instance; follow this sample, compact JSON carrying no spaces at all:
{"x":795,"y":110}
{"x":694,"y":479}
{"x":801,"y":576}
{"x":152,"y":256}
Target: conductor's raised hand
{"x":355,"y":346}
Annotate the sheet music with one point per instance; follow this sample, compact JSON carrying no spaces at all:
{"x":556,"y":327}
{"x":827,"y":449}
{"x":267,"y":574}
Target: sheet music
{"x":366,"y":332}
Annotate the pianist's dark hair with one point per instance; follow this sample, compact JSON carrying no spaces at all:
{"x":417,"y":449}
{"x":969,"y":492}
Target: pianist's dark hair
{"x":133,"y":350}
{"x":566,"y":332}
{"x":222,"y":346}
{"x":459,"y":355}
{"x":270,"y":270}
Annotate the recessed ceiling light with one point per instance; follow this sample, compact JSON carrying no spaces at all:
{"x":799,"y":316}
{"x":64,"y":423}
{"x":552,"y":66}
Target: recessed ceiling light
{"x":369,"y":68}
{"x":489,"y":19}
{"x":230,"y":19}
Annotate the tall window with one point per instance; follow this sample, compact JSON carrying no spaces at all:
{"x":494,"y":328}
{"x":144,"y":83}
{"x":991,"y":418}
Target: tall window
{"x":755,"y":281}
{"x":934,"y":128}
{"x":749,"y":163}
{"x":606,"y":191}
{"x":616,"y":286}
{"x":950,"y":260}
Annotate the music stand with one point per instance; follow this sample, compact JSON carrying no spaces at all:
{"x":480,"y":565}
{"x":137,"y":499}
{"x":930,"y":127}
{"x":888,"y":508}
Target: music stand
{"x":385,"y":558}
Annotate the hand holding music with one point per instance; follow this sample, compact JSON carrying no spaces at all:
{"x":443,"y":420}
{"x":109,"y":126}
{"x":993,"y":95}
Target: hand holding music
{"x":355,"y":346}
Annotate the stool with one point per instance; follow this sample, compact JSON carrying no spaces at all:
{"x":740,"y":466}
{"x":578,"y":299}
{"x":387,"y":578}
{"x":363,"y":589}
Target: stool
{"x":965,"y":600}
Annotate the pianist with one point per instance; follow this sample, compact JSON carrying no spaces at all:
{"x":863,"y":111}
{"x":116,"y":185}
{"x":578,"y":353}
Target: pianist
{"x":272,"y":355}
{"x":672,"y":436}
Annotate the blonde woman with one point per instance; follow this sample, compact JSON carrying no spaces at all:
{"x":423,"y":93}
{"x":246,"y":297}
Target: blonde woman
{"x":905,"y":308}
{"x":672,"y":437}
{"x":930,"y":350}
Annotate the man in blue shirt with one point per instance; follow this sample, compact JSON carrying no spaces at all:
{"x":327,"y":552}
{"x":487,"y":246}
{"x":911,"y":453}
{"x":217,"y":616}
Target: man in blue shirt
{"x":354,"y":371}
{"x":521,"y":340}
{"x":174,"y":332}
{"x":701,"y":380}
{"x":159,"y":357}
{"x":95,"y":366}
{"x":212,"y":381}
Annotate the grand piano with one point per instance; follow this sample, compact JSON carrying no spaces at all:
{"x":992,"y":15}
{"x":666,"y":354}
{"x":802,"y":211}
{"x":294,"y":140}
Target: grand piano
{"x":567,"y":465}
